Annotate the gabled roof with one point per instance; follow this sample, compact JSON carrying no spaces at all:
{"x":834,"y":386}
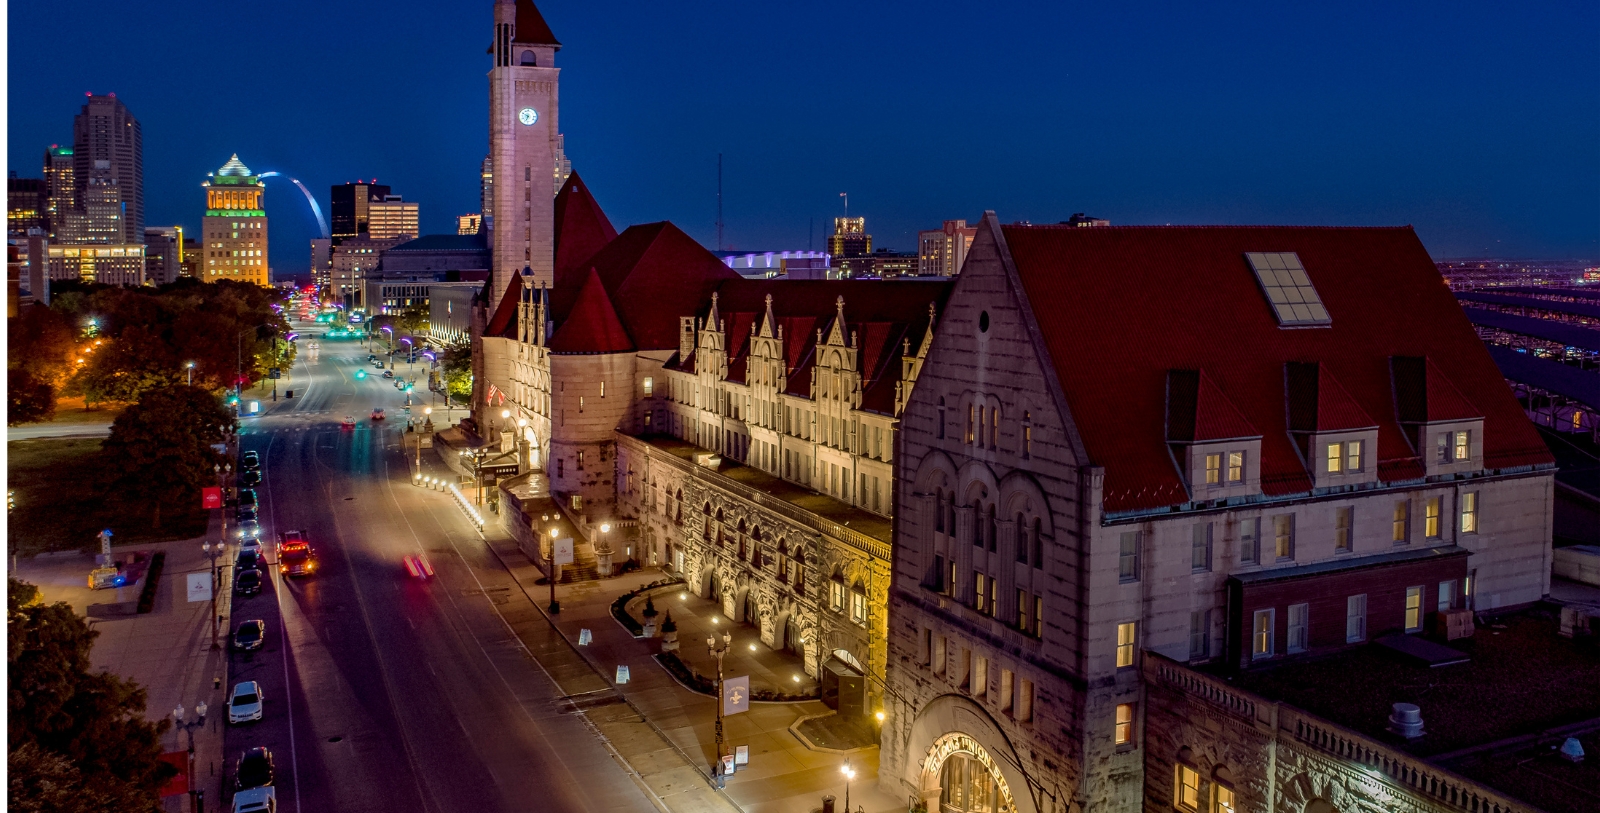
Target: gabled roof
{"x":654,"y":274}
{"x":503,"y":324}
{"x":1319,"y":403}
{"x":593,"y":326}
{"x":582,"y":228}
{"x":1119,"y":307}
{"x":531,"y":27}
{"x":1198,"y":412}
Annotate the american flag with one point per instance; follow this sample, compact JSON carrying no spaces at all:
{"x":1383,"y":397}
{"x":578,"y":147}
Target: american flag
{"x":493,"y":391}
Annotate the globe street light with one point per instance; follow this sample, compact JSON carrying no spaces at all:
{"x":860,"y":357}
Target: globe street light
{"x":212,"y":552}
{"x":849,"y":774}
{"x":189,"y":370}
{"x":555,"y":606}
{"x":718,"y":648}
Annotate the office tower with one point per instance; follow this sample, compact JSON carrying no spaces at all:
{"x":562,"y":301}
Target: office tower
{"x":941,"y":251}
{"x":354,"y":260}
{"x":61,"y":191}
{"x":849,"y":238}
{"x":349,"y":210}
{"x":192,"y":259}
{"x":321,"y":260}
{"x":100,"y":218}
{"x":106,"y":144}
{"x":469,"y":224}
{"x":162,"y":247}
{"x":26,"y":206}
{"x":235,"y":229}
{"x":391,"y":216}
{"x":522,"y":144}
{"x":486,"y":189}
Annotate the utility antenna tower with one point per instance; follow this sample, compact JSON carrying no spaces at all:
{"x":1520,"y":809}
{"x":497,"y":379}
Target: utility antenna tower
{"x":846,"y":196}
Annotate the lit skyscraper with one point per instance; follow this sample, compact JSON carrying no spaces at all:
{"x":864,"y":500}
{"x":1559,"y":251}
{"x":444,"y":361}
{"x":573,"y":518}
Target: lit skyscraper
{"x":235,"y":228}
{"x":61,"y":190}
{"x":391,"y":216}
{"x":350,"y":215}
{"x":106,"y":144}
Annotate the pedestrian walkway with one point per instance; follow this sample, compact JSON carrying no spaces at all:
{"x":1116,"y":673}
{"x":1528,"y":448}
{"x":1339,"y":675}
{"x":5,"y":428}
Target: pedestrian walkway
{"x":168,"y":651}
{"x":666,"y":732}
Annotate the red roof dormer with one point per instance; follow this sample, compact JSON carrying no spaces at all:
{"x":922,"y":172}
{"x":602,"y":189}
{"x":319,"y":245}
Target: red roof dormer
{"x":1198,"y":412}
{"x":592,"y":325}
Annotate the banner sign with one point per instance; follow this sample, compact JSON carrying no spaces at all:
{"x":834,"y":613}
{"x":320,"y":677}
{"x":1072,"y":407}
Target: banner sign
{"x":735,"y":695}
{"x":199,"y":586}
{"x":563,"y":554}
{"x":211,"y":497}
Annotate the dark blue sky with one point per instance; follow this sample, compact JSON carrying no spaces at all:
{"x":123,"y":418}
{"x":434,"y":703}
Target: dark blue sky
{"x":1477,"y":122}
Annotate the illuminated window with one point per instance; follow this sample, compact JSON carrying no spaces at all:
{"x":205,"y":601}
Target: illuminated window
{"x":1124,"y":729}
{"x":1463,"y":449}
{"x":1342,"y":531}
{"x":1283,"y":536}
{"x":1335,"y":457}
{"x":1213,"y":469}
{"x":1352,"y":452}
{"x":1413,"y":609}
{"x":1125,"y":637}
{"x":1188,"y":788}
{"x":1469,"y":512}
{"x":1261,"y":638}
{"x":1224,"y":799}
{"x":1402,"y":522}
{"x":1430,"y":518}
{"x":1236,"y":467}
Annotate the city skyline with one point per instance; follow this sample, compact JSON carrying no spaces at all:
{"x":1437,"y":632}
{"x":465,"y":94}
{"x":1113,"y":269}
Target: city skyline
{"x":1364,"y":117}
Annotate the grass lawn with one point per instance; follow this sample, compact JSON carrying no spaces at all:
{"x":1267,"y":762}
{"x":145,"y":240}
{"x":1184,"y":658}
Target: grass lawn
{"x":72,"y":410}
{"x":57,"y":511}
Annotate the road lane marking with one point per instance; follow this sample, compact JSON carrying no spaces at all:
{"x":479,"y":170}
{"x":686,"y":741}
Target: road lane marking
{"x":283,"y":632}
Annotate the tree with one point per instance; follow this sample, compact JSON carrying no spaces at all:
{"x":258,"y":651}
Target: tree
{"x":40,"y":358}
{"x":159,"y":454}
{"x":455,"y":366}
{"x":73,"y":731}
{"x":413,"y":320}
{"x":30,"y":400}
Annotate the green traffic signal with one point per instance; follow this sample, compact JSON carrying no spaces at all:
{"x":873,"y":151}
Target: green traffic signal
{"x":360,"y":374}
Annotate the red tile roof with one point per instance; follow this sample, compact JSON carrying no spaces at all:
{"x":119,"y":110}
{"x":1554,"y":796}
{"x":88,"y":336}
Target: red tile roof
{"x":531,"y":27}
{"x":503,"y":324}
{"x":654,"y":273}
{"x":592,"y":326}
{"x":1319,"y":403}
{"x":1120,"y":307}
{"x":582,"y":228}
{"x":1198,"y":412}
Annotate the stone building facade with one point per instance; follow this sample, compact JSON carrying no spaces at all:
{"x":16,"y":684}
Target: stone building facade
{"x":1119,"y":445}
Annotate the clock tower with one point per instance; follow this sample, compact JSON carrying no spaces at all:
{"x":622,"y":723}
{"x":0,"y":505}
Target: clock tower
{"x":523,"y":144}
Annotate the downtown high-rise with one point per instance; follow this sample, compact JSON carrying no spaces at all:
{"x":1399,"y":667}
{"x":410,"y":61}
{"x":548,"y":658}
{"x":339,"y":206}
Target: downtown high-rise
{"x":108,"y":151}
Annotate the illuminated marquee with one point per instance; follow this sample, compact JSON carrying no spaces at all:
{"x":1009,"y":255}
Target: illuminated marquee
{"x":951,"y":744}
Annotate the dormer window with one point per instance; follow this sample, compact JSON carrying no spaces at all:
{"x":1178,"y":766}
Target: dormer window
{"x":1236,"y":467}
{"x":1344,"y":457}
{"x":1213,"y":469}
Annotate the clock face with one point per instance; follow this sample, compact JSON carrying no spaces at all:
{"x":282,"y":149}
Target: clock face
{"x":528,"y":116}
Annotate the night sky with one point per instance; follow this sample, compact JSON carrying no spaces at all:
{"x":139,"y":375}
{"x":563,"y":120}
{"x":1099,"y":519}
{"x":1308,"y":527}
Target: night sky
{"x":1479,"y":123}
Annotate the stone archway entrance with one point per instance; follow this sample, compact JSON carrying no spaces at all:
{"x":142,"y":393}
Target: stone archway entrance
{"x":960,"y":776}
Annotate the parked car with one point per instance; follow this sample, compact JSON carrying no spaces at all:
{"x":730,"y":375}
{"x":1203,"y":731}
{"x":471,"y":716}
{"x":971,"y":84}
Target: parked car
{"x":247,"y":496}
{"x":250,"y":477}
{"x":250,"y":635}
{"x":245,"y":513}
{"x":388,"y":373}
{"x":251,"y":544}
{"x":247,"y":560}
{"x":256,"y":800}
{"x":249,"y":460}
{"x":255,"y":769}
{"x":249,"y":529}
{"x":377,"y":413}
{"x":247,"y":582}
{"x":244,"y":705}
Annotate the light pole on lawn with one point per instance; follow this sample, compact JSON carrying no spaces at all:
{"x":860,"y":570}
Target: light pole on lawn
{"x":188,"y":369}
{"x":849,"y":774}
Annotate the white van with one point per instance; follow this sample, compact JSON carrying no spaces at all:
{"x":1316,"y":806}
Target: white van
{"x":256,"y":800}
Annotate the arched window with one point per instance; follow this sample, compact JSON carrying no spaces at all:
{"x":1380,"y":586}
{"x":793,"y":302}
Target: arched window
{"x":783,"y":561}
{"x":528,"y":58}
{"x":706,"y":523}
{"x":1022,"y":538}
{"x":938,"y":510}
{"x":994,"y":426}
{"x":1038,"y":544}
{"x":679,"y":518}
{"x":741,"y":540}
{"x":994,"y":530}
{"x":799,"y":571}
{"x":722,"y":530}
{"x":977,"y":523}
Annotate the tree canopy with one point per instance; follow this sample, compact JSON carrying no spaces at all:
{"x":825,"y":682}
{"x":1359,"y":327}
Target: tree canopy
{"x":159,"y":453}
{"x":78,"y":738}
{"x":41,"y":356}
{"x":455,"y":366}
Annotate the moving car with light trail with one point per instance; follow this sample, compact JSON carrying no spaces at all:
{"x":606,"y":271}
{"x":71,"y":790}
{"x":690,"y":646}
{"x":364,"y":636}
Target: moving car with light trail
{"x":295,"y":556}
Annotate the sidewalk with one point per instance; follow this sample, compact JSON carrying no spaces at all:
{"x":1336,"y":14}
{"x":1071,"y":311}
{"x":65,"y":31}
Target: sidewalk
{"x":672,"y":744}
{"x":167,"y":651}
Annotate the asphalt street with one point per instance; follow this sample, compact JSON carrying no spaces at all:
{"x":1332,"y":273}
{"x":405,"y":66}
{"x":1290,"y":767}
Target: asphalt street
{"x":384,"y":692}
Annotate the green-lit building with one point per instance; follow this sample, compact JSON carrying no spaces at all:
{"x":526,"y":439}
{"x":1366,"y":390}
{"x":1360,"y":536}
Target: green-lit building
{"x":234,"y":234}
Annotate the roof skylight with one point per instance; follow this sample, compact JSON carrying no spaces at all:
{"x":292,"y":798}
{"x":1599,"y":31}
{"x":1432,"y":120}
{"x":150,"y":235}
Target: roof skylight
{"x":1283,"y":279}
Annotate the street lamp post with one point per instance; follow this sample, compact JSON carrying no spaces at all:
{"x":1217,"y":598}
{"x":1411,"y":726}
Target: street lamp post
{"x":849,"y":774}
{"x":505,"y":415}
{"x":212,"y":552}
{"x":188,"y":369}
{"x":555,"y":606}
{"x":719,"y":648}
{"x":603,"y":551}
